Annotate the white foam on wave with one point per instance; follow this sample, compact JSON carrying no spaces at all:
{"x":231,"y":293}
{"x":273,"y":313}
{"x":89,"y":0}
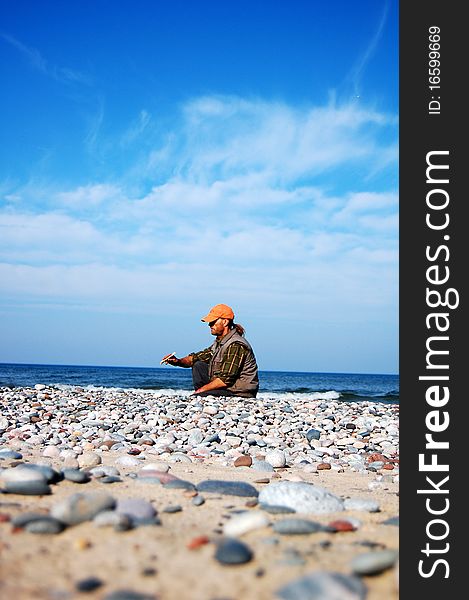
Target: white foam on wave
{"x":330,"y":395}
{"x":171,"y":392}
{"x":105,"y":388}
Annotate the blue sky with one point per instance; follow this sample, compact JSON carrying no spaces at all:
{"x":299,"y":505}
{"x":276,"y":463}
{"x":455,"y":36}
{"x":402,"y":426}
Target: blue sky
{"x":158,"y":158}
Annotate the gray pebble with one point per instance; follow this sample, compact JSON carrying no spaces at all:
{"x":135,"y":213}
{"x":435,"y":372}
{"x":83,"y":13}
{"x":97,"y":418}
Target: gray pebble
{"x":110,"y":518}
{"x":128,"y":595}
{"x":45,"y":525}
{"x":6,"y":453}
{"x":76,"y":475}
{"x":180,"y":457}
{"x":50,"y":474}
{"x":103,"y":470}
{"x":391,"y":521}
{"x":179,"y":484}
{"x":372,"y":563}
{"x":23,"y":519}
{"x":89,"y":584}
{"x":231,"y":551}
{"x":324,"y":585}
{"x":376,"y":465}
{"x":172,"y":508}
{"x":22,"y":473}
{"x":363,"y":504}
{"x":27,"y":488}
{"x":262,"y":465}
{"x":298,"y":526}
{"x":276,"y":510}
{"x":313,"y":434}
{"x":136,"y":508}
{"x":141,"y":479}
{"x":231,"y":488}
{"x":109,"y":479}
{"x":81,"y":507}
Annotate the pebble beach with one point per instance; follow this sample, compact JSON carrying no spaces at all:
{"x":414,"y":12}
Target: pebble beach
{"x":116,"y":494}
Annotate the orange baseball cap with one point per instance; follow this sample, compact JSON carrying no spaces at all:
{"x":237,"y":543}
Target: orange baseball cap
{"x":220,"y":311}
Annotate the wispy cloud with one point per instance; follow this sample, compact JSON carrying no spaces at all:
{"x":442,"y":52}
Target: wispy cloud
{"x":37,"y":61}
{"x":136,"y":129}
{"x":95,"y":121}
{"x":356,"y":73}
{"x":233,"y":135}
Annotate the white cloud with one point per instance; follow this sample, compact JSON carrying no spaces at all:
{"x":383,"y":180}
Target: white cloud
{"x":89,"y":195}
{"x":160,"y":287}
{"x":369,"y":210}
{"x":260,"y":201}
{"x":55,"y":238}
{"x":226,"y":136}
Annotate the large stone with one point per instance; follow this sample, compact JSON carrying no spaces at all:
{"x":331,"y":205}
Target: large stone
{"x":89,"y":459}
{"x":301,"y":496}
{"x":136,"y":508}
{"x":81,"y":507}
{"x":21,"y":473}
{"x":276,"y":458}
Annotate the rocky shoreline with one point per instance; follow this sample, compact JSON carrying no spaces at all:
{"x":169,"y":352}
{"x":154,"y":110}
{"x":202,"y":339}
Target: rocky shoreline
{"x":134,"y":495}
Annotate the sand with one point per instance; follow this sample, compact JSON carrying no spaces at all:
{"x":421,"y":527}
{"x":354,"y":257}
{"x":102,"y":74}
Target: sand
{"x":156,"y":560}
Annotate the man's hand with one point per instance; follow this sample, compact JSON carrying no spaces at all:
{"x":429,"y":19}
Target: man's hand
{"x":215,"y":384}
{"x":169,"y":359}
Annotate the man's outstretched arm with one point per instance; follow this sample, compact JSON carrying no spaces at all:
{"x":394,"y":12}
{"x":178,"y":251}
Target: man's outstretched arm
{"x":215,"y":384}
{"x":186,"y":361}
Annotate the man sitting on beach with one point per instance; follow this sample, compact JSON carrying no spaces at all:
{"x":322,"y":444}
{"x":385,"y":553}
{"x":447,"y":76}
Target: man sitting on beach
{"x":226,"y":368}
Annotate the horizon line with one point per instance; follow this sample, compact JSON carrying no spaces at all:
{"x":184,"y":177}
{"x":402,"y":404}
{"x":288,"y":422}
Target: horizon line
{"x":167,"y":368}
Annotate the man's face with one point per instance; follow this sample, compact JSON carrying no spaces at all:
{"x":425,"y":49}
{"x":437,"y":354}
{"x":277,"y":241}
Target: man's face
{"x":217,"y":327}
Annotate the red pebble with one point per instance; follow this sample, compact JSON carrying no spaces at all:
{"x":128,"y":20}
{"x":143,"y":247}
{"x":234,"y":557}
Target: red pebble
{"x":243,"y":461}
{"x":376,"y":456}
{"x":340,"y":525}
{"x":196,"y":542}
{"x":4,"y":517}
{"x":323,"y":466}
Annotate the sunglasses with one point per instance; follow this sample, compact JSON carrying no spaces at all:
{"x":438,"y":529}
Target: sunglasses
{"x":212,"y":323}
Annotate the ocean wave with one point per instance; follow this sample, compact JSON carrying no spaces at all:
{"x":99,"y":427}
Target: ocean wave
{"x":387,"y":397}
{"x":265,"y":395}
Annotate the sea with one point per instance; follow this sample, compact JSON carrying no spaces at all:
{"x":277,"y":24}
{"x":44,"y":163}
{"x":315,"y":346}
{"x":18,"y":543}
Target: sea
{"x":346,"y":387}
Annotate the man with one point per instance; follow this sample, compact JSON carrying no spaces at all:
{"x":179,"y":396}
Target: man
{"x":226,"y":368}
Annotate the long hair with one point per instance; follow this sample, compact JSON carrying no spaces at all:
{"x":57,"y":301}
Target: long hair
{"x":239,"y":328}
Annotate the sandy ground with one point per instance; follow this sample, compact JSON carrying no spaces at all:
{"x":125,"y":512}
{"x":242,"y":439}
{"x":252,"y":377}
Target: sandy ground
{"x":157,"y":560}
